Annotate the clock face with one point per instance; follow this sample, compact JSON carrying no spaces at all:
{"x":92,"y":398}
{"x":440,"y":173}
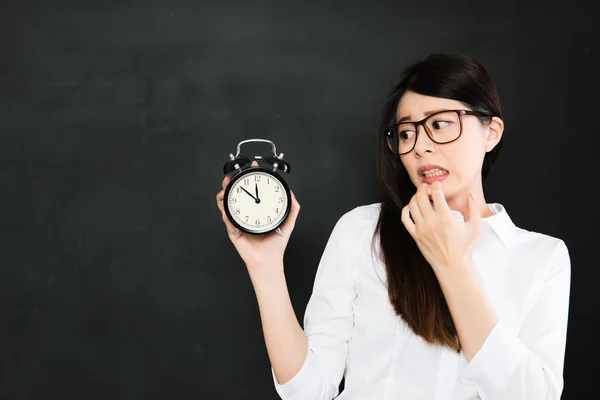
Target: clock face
{"x":258,"y":201}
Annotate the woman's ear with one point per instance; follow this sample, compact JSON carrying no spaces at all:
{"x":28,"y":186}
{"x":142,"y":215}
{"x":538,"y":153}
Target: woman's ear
{"x":495,"y":130}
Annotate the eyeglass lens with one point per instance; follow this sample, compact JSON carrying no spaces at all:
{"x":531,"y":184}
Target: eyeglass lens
{"x":443,"y":127}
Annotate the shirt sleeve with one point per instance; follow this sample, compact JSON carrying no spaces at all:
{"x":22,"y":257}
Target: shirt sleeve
{"x":328,"y":319}
{"x":530,"y":365}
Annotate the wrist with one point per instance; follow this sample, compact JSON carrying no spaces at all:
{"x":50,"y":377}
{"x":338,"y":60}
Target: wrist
{"x":457,"y":274}
{"x":266,"y":274}
{"x":269,"y":284}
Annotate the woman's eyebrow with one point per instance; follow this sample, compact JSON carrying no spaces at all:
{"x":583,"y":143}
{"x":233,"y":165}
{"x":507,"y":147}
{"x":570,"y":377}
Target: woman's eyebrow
{"x":427,"y":113}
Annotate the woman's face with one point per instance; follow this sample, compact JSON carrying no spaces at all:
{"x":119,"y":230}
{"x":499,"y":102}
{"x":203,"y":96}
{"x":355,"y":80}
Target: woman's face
{"x":462,"y":158}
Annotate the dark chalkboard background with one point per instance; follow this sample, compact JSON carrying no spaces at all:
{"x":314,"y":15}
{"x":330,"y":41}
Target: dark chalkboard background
{"x":117,"y":278}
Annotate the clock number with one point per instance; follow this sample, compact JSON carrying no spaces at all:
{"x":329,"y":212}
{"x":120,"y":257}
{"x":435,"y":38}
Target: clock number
{"x":246,"y":181}
{"x":246,"y":218}
{"x":277,"y":189}
{"x":267,"y":181}
{"x":234,"y":200}
{"x":256,"y":178}
{"x":258,"y":222}
{"x":281,"y":200}
{"x":277,"y":211}
{"x":237,"y":211}
{"x":269,"y":219}
{"x":238,"y":190}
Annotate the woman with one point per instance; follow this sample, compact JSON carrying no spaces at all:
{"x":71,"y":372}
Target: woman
{"x":431,"y":293}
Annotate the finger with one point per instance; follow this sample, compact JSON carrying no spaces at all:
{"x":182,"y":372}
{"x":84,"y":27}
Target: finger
{"x":415,"y":212}
{"x":231,"y":229}
{"x":254,"y":163}
{"x":439,"y":200}
{"x":225,"y":182}
{"x":410,"y":226}
{"x":423,"y":201}
{"x":220,"y":197}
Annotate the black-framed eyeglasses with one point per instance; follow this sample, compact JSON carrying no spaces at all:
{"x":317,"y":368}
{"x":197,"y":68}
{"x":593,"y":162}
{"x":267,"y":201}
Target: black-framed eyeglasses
{"x":441,"y":127}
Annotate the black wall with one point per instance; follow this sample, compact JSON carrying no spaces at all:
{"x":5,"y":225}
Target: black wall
{"x":117,"y":277}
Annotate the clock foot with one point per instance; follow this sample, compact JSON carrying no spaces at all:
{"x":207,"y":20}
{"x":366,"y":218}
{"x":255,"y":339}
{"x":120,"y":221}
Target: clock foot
{"x":279,"y":232}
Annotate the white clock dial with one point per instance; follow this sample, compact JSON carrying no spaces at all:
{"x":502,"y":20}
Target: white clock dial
{"x":252,"y":215}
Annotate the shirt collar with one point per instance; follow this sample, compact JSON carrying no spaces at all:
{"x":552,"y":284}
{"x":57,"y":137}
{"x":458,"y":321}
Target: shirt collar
{"x":500,"y":223}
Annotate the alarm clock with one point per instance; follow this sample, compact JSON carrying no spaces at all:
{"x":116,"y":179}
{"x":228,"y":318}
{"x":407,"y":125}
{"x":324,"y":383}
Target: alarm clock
{"x":257,"y":199}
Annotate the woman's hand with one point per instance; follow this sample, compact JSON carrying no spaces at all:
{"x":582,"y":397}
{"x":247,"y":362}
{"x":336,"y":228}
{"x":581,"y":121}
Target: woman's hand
{"x":445,"y":241}
{"x":260,"y":252}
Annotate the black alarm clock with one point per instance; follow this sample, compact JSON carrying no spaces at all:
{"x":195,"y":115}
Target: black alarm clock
{"x":257,"y":199}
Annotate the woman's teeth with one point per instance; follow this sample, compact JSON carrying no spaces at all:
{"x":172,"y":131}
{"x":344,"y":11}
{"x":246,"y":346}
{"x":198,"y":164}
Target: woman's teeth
{"x":434,"y":172}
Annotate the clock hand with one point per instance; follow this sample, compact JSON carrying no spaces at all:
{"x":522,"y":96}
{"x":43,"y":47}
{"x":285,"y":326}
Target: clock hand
{"x":256,"y":187}
{"x":248,"y":193}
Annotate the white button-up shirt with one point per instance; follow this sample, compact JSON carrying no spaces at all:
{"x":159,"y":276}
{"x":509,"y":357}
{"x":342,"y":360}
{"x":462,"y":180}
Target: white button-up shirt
{"x":353,"y":331}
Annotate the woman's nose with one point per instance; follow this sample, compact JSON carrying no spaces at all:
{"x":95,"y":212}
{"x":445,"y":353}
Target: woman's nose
{"x":424,"y":142}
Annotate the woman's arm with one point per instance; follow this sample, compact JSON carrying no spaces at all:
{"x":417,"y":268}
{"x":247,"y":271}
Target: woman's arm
{"x":285,"y":340}
{"x":503,"y":365}
{"x":473,"y":315}
{"x":309,"y":364}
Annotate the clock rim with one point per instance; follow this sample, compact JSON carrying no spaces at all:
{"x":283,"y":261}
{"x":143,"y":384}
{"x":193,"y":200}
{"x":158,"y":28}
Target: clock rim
{"x":243,"y":173}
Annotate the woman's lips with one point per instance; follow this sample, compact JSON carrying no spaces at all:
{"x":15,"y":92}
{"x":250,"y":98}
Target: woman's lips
{"x":430,"y":179}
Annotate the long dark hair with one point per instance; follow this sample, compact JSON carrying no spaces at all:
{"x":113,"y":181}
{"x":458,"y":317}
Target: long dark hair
{"x":413,"y":288}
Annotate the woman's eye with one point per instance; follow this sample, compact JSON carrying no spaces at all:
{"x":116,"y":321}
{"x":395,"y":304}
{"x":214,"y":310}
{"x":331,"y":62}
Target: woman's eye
{"x":440,"y":124}
{"x":405,"y":134}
